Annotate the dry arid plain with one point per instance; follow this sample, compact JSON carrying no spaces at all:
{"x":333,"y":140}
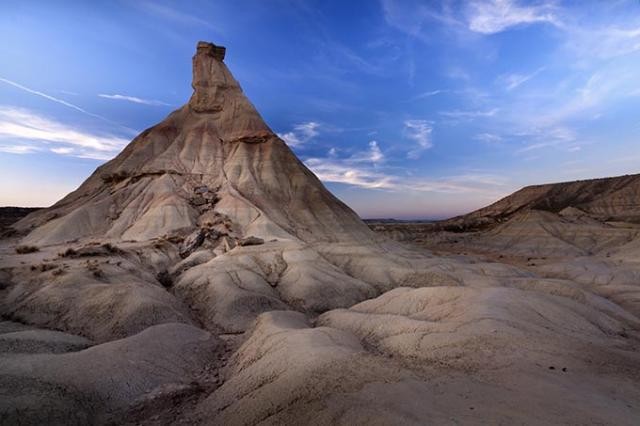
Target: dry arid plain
{"x":206,"y":276}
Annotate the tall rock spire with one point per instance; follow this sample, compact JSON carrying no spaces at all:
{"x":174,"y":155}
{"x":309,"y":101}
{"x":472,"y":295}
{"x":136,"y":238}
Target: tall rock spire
{"x":211,"y":78}
{"x":217,"y":143}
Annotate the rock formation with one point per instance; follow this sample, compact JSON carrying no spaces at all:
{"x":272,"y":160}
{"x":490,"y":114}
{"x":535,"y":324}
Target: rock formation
{"x":206,"y":276}
{"x":213,"y":161}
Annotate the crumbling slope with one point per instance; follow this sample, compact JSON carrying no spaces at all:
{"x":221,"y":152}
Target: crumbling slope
{"x":615,"y":198}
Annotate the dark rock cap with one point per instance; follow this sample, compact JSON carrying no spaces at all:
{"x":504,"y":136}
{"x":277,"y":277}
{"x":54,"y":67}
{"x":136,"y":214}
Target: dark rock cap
{"x":206,"y":48}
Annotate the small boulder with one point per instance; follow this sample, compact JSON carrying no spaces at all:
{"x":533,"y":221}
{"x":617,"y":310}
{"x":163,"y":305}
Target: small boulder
{"x":250,"y":241}
{"x":214,"y":234}
{"x":211,"y":197}
{"x":198,"y":200}
{"x":227,"y":244}
{"x":192,"y":242}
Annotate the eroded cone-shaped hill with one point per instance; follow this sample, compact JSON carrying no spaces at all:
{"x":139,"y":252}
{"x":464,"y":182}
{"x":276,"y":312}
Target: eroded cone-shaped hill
{"x":212,"y":161}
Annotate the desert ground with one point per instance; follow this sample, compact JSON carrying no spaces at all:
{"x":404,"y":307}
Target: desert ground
{"x":206,"y":276}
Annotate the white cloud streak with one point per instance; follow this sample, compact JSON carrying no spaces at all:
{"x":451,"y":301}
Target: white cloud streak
{"x":49,"y":97}
{"x":469,"y":115}
{"x":62,"y":102}
{"x":62,"y":151}
{"x":18,"y":149}
{"x":26,"y":125}
{"x":552,"y":137}
{"x":489,"y":138}
{"x":340,"y":171}
{"x":603,"y":42}
{"x":367,"y":177}
{"x":418,"y":131}
{"x":372,"y":155}
{"x":175,"y":15}
{"x":301,"y":134}
{"x":360,"y":169}
{"x":133,"y":99}
{"x":494,"y":16}
{"x":513,"y":81}
{"x":428,"y":94}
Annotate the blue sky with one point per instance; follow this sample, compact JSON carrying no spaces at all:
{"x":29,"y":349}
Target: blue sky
{"x":406,"y":109}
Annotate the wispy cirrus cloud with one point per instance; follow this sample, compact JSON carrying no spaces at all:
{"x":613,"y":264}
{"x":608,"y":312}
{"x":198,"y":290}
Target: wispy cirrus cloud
{"x":494,"y":16}
{"x":428,"y":94}
{"x":361,"y":168}
{"x":300,"y":134}
{"x":62,"y":151}
{"x":602,"y":42}
{"x":371,"y":169}
{"x":412,"y":17}
{"x":133,"y":99}
{"x":477,"y":16}
{"x":372,"y":155}
{"x":369,"y":177}
{"x":489,"y":138}
{"x":37,"y":132}
{"x":469,"y":115}
{"x":553,"y":137}
{"x":513,"y":81}
{"x":18,"y":149}
{"x":49,"y":97}
{"x":418,"y":131}
{"x":173,"y":14}
{"x":67,"y":92}
{"x":62,"y":102}
{"x":341,"y":171}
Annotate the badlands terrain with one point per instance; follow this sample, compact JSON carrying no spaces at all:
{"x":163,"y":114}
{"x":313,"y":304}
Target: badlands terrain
{"x":206,"y":276}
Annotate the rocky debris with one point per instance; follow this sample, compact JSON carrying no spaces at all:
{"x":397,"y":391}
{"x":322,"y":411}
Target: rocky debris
{"x":211,"y":197}
{"x":204,"y":198}
{"x":26,"y":249}
{"x":96,"y":271}
{"x":192,"y":242}
{"x":228,"y":244}
{"x":250,"y":241}
{"x":115,"y":177}
{"x":92,"y":250}
{"x":198,"y":237}
{"x":198,"y":201}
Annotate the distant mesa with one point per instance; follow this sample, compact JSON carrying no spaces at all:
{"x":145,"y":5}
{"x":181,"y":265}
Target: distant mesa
{"x":613,"y":198}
